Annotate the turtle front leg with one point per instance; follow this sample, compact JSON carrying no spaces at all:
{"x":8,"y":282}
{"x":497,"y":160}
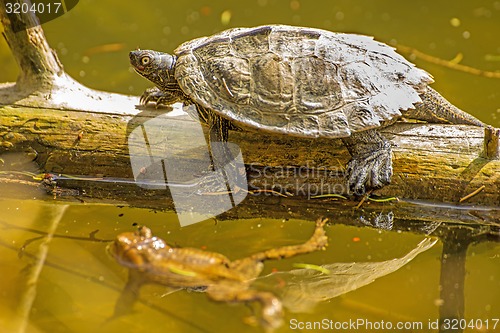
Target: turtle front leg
{"x":371,"y":163}
{"x":221,"y":152}
{"x":227,"y":174}
{"x":159,"y":97}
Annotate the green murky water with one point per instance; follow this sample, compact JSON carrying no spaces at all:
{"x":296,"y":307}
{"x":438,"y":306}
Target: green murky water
{"x":375,"y":274}
{"x":78,"y":284}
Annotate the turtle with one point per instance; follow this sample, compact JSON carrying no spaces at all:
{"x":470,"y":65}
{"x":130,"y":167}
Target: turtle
{"x":302,"y":82}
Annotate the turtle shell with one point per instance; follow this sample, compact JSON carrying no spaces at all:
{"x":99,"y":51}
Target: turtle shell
{"x":299,"y":81}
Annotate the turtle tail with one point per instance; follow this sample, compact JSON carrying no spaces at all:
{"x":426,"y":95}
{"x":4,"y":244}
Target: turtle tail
{"x":434,"y":108}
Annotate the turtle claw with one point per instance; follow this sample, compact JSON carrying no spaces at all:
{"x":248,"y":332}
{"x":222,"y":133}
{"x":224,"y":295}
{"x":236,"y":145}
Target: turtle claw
{"x":371,"y":163}
{"x":372,"y":170}
{"x":154,"y":95}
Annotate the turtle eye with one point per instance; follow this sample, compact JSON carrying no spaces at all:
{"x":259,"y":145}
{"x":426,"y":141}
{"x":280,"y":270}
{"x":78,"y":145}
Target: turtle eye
{"x":145,"y":60}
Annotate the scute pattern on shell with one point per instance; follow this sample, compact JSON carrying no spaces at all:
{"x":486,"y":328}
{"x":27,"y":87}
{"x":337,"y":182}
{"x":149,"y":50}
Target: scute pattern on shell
{"x":299,"y":81}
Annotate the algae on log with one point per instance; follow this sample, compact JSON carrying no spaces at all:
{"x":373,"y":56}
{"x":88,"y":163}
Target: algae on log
{"x":71,"y":129}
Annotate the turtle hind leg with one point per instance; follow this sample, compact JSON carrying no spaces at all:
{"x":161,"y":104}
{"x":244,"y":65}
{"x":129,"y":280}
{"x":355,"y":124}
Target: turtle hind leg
{"x":371,"y":163}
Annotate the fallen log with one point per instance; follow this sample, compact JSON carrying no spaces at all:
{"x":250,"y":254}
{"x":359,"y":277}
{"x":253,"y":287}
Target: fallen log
{"x":431,"y":162}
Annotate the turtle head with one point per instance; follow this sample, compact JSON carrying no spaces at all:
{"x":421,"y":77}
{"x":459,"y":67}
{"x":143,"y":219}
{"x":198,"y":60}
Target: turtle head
{"x":155,"y":66}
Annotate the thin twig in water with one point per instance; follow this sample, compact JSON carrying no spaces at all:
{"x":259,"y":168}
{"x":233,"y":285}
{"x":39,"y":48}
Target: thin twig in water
{"x":446,"y":63}
{"x":268,"y":191}
{"x":364,"y":199}
{"x":329,"y":195}
{"x":383,"y":199}
{"x":470,"y":195}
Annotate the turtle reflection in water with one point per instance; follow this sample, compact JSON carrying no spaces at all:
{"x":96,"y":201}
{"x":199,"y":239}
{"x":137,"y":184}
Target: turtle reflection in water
{"x":151,"y":260}
{"x":301,"y":82}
